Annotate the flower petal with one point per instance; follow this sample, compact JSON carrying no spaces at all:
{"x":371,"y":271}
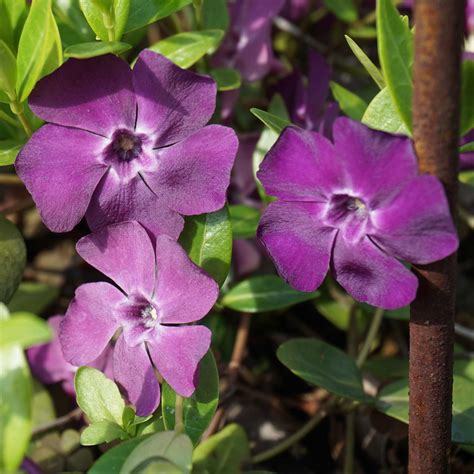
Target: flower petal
{"x":193,"y":175}
{"x":298,"y":243}
{"x":93,"y":94}
{"x":377,"y":164}
{"x":371,"y":276}
{"x":116,"y":201}
{"x":60,"y":168}
{"x":90,"y":322}
{"x":176,"y":354}
{"x":134,"y":372}
{"x":319,"y":73}
{"x":173,"y":103}
{"x":301,"y":166}
{"x":417,"y":225}
{"x":124,"y":253}
{"x":184,"y":292}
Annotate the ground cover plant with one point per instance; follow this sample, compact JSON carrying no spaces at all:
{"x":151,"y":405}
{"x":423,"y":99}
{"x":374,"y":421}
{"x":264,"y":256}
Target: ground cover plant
{"x":236,"y":236}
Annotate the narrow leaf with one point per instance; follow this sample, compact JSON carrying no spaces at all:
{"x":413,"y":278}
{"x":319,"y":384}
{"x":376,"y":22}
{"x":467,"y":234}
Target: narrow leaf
{"x":226,"y":79}
{"x":95,"y":48}
{"x":351,"y":104}
{"x":275,"y":123}
{"x":345,"y":10}
{"x":7,"y":70}
{"x":24,"y":330}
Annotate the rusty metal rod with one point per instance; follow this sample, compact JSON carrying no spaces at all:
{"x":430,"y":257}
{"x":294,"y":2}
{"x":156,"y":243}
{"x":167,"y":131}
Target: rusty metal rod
{"x":436,"y":72}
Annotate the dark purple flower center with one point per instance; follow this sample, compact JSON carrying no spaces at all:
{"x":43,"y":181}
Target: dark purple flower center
{"x":125,"y":145}
{"x":344,"y":208}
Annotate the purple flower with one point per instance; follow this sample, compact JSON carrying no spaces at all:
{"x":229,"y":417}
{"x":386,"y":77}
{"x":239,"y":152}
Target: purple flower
{"x":306,"y":103}
{"x":466,"y":160}
{"x":294,"y":10}
{"x":248,"y":43}
{"x":126,"y":145}
{"x":159,"y":293}
{"x":49,"y":366}
{"x":357,"y":205}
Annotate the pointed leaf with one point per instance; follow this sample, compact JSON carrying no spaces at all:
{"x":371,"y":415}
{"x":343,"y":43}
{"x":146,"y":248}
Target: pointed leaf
{"x":102,"y":432}
{"x":95,"y":48}
{"x":351,"y":104}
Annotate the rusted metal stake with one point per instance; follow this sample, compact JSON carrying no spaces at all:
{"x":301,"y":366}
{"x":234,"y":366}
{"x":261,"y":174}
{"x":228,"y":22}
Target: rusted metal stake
{"x":438,"y":43}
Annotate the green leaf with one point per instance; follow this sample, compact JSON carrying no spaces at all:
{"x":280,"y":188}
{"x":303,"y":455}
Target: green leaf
{"x":102,"y":432}
{"x":226,"y":79}
{"x":72,"y":24}
{"x":345,"y":10}
{"x":275,"y":123}
{"x":199,"y":409}
{"x":369,"y":66}
{"x":13,"y":14}
{"x":32,"y":297}
{"x":244,"y":220}
{"x":468,"y":147}
{"x":13,"y":258}
{"x":9,"y":150}
{"x":121,"y":9}
{"x":94,"y":11}
{"x":97,"y":396}
{"x":170,"y":446}
{"x":467,"y":103}
{"x":467,"y":177}
{"x":393,"y":401}
{"x":395,"y":46}
{"x":324,"y":365}
{"x":144,"y":12}
{"x":113,"y":459}
{"x":25,"y":330}
{"x":215,"y":14}
{"x":351,"y":104}
{"x":39,"y":50}
{"x":222,"y":453}
{"x":95,"y":48}
{"x":207,"y":239}
{"x":386,"y":368}
{"x":264,"y":293}
{"x":362,"y":31}
{"x":186,"y":49}
{"x":8,"y":70}
{"x":15,"y":405}
{"x":381,"y":114}
{"x":42,"y":405}
{"x":334,"y":311}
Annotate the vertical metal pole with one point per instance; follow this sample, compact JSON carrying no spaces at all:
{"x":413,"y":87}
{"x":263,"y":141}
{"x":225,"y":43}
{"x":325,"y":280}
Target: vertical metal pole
{"x":438,"y":45}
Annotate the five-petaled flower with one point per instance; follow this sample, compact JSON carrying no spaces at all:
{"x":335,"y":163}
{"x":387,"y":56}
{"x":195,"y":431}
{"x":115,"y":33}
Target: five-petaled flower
{"x":357,"y":205}
{"x":126,"y":145}
{"x":161,"y":291}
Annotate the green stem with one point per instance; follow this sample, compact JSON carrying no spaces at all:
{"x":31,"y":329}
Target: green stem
{"x":109,"y":23}
{"x":18,"y":110}
{"x":178,"y":415}
{"x":371,"y":335}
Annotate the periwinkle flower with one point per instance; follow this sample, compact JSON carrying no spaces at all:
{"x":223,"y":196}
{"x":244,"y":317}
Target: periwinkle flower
{"x":126,"y":145}
{"x":160,"y":292}
{"x":49,"y":366}
{"x":356,"y":205}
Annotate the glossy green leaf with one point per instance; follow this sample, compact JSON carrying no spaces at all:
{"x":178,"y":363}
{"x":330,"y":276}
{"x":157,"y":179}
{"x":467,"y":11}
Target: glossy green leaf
{"x":121,"y":10}
{"x":97,"y":396}
{"x":95,"y":48}
{"x":381,"y":114}
{"x":323,"y":365}
{"x":222,"y":453}
{"x":15,"y":405}
{"x":113,"y":459}
{"x":345,"y":10}
{"x":395,"y":46}
{"x":362,"y":31}
{"x":369,"y":66}
{"x":264,"y":293}
{"x":467,"y":102}
{"x":186,"y":49}
{"x":207,"y":239}
{"x":244,"y":220}
{"x":351,"y":104}
{"x":274,"y":122}
{"x":7,"y":70}
{"x":39,"y":50}
{"x":167,"y":446}
{"x":226,"y":79}
{"x":32,"y":297}
{"x":13,"y":14}
{"x":13,"y":258}
{"x":9,"y":150}
{"x":199,"y":409}
{"x":95,"y":11}
{"x":25,"y":330}
{"x":102,"y":432}
{"x":468,"y":147}
{"x":72,"y":24}
{"x":215,"y":14}
{"x":393,"y":401}
{"x":143,"y":12}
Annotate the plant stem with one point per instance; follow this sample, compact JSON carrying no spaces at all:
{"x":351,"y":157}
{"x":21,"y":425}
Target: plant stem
{"x":178,"y":415}
{"x":18,"y":110}
{"x":371,"y":335}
